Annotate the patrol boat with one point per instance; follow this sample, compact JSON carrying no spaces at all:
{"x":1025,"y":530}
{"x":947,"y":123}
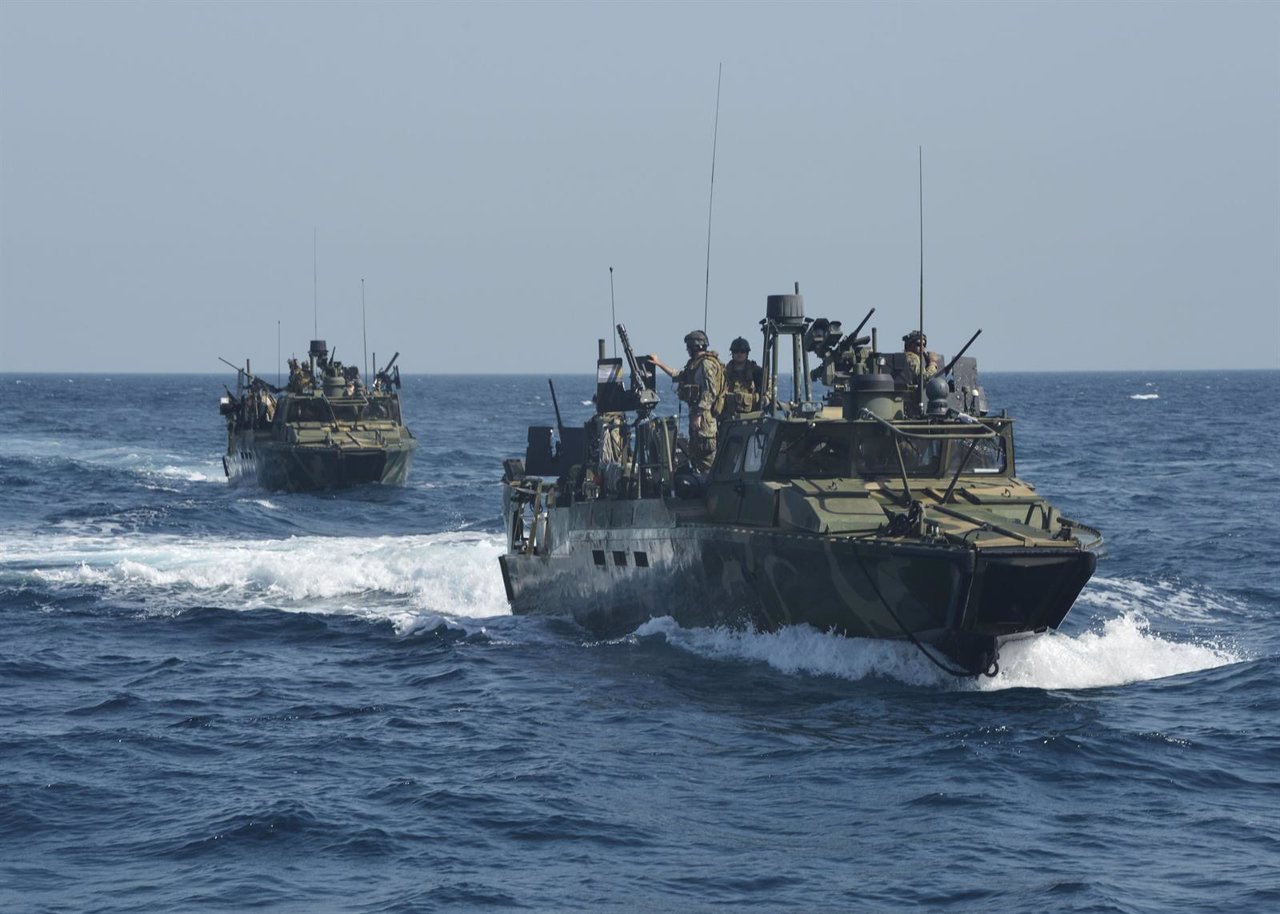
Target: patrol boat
{"x":889,"y":509}
{"x":324,"y":430}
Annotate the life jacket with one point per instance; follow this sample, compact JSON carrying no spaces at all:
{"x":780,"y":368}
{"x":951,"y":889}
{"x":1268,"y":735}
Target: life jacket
{"x":690,"y":391}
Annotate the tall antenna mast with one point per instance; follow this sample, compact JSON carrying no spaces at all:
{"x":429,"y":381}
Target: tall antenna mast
{"x":706,"y":295}
{"x":613,"y":311}
{"x":315,"y":288}
{"x":277,"y":353}
{"x":924,"y":350}
{"x":364,"y":329}
{"x":920,"y":175}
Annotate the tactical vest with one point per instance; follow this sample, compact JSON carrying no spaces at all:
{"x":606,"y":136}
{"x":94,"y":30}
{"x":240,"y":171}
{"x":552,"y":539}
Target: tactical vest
{"x":690,"y":391}
{"x":741,"y":388}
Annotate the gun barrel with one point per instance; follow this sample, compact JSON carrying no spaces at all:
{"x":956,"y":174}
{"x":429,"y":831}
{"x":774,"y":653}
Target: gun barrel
{"x":854,"y":335}
{"x":963,"y":350}
{"x":637,"y":380}
{"x":556,"y":404}
{"x":244,"y":372}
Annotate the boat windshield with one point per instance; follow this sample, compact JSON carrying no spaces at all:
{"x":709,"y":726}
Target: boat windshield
{"x":988,"y":456}
{"x":346,"y":410}
{"x":315,"y":409}
{"x":840,"y":449}
{"x":877,"y":455}
{"x":308,"y":409}
{"x":381,"y":408}
{"x":813,"y":451}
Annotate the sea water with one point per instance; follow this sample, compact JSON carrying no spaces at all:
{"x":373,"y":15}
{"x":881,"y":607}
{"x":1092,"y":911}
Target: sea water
{"x":218,"y":698}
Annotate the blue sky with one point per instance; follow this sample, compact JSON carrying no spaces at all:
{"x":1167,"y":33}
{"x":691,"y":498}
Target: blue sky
{"x":1101,"y":180}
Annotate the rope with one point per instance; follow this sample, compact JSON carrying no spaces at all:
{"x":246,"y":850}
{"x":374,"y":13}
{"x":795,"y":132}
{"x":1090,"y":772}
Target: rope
{"x":959,"y":674}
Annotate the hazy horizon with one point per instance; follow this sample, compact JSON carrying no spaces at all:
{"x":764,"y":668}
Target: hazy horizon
{"x":1101,"y":181}
{"x":107,"y":374}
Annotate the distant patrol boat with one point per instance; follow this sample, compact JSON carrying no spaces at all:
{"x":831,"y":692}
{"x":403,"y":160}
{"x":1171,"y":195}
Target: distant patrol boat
{"x":890,"y":509}
{"x":324,"y":430}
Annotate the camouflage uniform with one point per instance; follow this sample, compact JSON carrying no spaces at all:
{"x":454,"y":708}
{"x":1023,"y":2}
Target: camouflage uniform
{"x":913,"y":341}
{"x":613,"y":439}
{"x":701,"y":385}
{"x":913,"y":366}
{"x":741,"y":389}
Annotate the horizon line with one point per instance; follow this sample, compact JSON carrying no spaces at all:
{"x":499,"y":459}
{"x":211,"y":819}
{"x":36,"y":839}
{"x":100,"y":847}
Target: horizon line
{"x":516,"y":374}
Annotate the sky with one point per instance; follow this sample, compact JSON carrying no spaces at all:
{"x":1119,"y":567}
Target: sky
{"x":181,"y":182}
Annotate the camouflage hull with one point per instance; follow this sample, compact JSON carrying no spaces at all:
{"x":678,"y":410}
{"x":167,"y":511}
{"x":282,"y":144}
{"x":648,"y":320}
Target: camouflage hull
{"x":302,"y":468}
{"x":611,"y":573}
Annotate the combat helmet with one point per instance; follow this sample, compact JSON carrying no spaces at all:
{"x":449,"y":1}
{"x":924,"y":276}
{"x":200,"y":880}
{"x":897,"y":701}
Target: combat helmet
{"x":740,"y":345}
{"x":915,"y":336}
{"x":696,"y":339}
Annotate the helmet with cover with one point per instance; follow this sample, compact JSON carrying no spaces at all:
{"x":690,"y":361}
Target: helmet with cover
{"x":696,"y":339}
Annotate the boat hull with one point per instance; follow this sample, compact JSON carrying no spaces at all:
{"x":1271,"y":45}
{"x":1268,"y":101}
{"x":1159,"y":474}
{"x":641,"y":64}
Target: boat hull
{"x":302,"y":468}
{"x":612,"y":573}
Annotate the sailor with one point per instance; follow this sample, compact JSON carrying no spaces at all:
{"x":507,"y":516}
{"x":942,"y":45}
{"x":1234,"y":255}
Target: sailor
{"x":743,"y":382}
{"x":299,"y":377}
{"x":913,"y":344}
{"x":295,"y":377}
{"x":613,"y":439}
{"x":701,"y":385}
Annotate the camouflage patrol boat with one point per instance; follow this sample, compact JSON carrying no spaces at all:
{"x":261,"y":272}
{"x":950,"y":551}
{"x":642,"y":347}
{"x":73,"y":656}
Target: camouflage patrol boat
{"x":890,"y":508}
{"x":324,"y":430}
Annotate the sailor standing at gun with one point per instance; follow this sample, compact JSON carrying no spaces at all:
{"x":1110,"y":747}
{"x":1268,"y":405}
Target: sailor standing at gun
{"x":918,"y":358}
{"x":701,"y":385}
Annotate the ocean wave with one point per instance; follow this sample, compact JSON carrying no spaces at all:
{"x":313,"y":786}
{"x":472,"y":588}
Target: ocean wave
{"x":1163,"y":599}
{"x":414,"y":582}
{"x":1125,"y":651}
{"x":76,"y":456}
{"x":801,"y":649}
{"x":1144,"y":396}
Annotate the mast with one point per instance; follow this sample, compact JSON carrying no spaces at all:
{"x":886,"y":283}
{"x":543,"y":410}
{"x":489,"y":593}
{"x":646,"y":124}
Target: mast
{"x":924,"y":350}
{"x":715,"y":135}
{"x":784,"y":316}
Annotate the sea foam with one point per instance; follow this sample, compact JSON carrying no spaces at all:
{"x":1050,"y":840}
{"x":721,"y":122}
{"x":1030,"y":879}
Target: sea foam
{"x":411,"y":581}
{"x":1124,"y":651}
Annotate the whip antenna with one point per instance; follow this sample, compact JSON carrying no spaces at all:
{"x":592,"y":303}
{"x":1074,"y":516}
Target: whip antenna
{"x":613,"y":312}
{"x":924,"y":350}
{"x":364,"y":329}
{"x":715,"y":135}
{"x":277,"y":353}
{"x":315,"y":288}
{"x":920,"y":175}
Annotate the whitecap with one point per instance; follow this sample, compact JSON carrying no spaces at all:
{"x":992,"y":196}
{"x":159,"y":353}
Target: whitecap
{"x":1144,"y":396}
{"x":408,"y":581}
{"x":1161,"y":600}
{"x":1125,"y":651}
{"x":801,"y":649}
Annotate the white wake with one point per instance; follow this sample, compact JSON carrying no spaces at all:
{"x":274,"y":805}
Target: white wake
{"x":1122,"y":651}
{"x":412,"y":581}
